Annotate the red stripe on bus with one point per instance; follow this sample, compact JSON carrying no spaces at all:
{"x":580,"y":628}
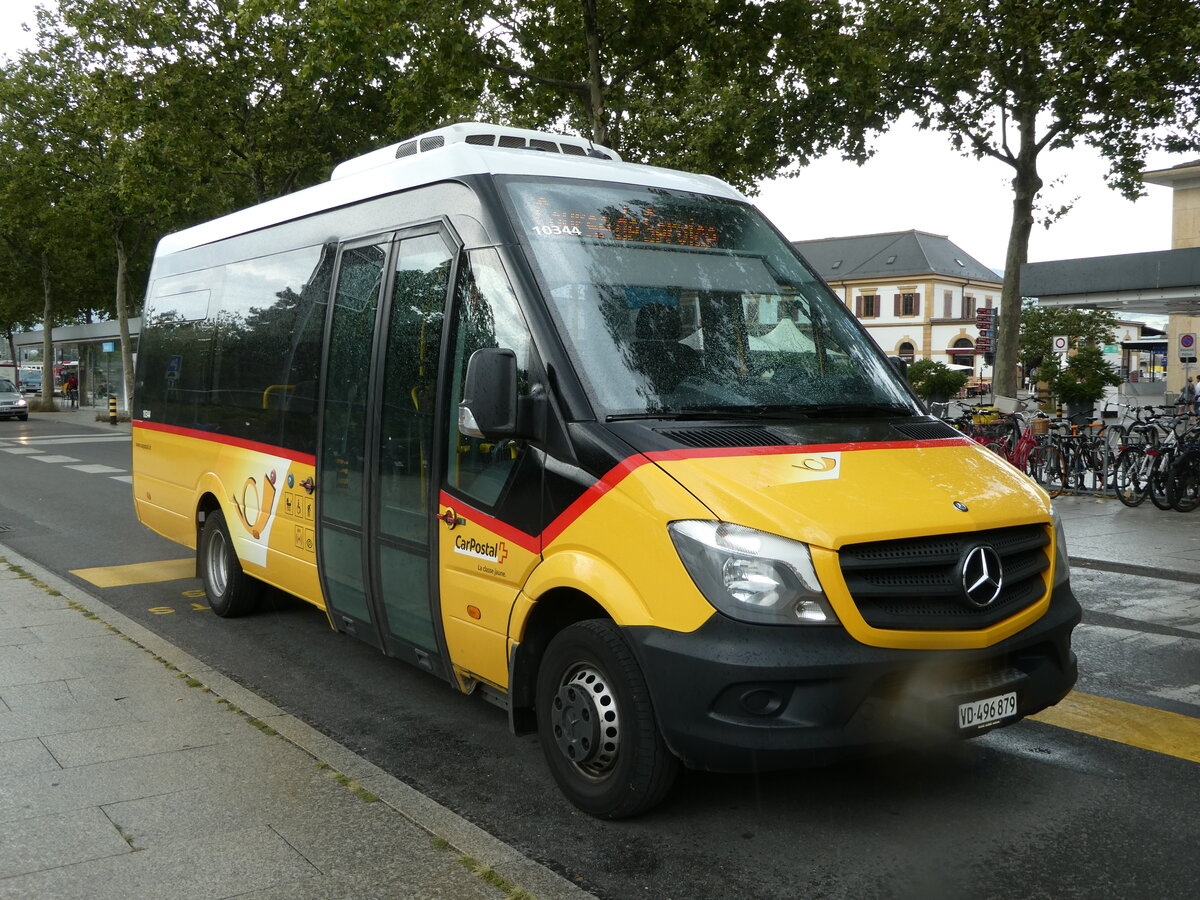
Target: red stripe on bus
{"x":528,"y":542}
{"x":241,"y":443}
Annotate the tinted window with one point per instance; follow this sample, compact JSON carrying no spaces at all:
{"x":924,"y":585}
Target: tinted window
{"x":250,"y":368}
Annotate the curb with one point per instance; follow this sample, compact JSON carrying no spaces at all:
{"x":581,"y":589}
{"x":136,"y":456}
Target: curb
{"x":464,"y":837}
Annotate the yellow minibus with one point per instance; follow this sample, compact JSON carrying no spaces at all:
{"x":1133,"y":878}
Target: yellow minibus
{"x":590,"y":439}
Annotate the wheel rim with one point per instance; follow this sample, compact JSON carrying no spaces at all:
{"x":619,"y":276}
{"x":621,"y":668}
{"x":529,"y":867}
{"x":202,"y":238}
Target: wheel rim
{"x":585,"y":721}
{"x":217,"y":563}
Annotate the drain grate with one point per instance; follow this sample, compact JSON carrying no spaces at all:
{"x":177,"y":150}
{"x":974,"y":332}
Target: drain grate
{"x":4,"y":528}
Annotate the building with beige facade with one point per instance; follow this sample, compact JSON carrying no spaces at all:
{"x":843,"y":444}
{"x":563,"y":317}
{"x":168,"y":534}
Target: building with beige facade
{"x":917,"y":293}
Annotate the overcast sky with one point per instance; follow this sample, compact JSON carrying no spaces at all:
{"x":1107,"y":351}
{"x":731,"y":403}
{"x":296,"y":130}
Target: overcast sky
{"x":916,"y":181}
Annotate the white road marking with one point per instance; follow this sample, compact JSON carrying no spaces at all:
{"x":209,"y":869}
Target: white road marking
{"x":95,"y":469}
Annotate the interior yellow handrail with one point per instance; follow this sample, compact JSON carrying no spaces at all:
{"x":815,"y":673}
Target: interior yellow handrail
{"x":274,"y":387}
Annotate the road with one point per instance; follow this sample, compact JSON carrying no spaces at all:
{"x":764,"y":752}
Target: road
{"x":1035,"y":810}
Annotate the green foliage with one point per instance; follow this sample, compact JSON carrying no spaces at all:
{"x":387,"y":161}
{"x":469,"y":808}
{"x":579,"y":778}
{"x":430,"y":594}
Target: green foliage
{"x":1041,"y":324}
{"x":1084,"y":377}
{"x":740,"y":90}
{"x":1009,"y":79}
{"x":933,"y":379}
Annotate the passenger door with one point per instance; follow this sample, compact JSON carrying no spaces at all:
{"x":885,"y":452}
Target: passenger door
{"x":376,"y":466}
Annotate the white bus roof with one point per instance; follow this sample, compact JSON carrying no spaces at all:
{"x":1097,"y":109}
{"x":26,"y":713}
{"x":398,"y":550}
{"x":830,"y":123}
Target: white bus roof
{"x":469,"y":148}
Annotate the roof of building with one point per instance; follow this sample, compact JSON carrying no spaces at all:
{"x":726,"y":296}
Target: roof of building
{"x":896,"y":254}
{"x":1181,"y":176}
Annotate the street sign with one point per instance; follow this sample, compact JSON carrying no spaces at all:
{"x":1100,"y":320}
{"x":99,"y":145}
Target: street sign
{"x":1061,"y":343}
{"x":984,"y":344}
{"x":1187,"y":347}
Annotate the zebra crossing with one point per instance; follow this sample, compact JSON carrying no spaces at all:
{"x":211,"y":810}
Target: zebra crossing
{"x":52,"y":450}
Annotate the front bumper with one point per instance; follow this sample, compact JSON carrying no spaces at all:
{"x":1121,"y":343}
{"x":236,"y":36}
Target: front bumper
{"x":734,"y":697}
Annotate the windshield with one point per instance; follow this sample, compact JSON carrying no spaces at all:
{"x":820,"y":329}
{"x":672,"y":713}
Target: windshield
{"x":672,"y":302}
{"x":7,"y":387}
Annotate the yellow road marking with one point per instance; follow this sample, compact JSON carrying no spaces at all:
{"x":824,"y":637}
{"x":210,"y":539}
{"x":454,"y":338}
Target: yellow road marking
{"x":1127,"y":723}
{"x":139,"y":573}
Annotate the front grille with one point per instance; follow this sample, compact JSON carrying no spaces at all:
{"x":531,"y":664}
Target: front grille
{"x":915,"y":584}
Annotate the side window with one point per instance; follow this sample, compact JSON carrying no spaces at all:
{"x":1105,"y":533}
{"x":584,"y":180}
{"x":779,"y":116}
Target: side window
{"x":485,"y":315}
{"x":410,"y":377}
{"x":267,"y":341}
{"x":355,"y":302}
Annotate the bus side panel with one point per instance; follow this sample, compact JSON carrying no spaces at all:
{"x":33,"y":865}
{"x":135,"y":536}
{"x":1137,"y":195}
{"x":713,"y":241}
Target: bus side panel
{"x":271,"y":518}
{"x":164,"y":483}
{"x":268,"y":510}
{"x":613,"y":546}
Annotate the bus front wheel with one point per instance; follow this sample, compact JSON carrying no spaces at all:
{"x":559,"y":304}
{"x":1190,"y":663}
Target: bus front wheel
{"x":596,"y":724}
{"x":231,"y":592}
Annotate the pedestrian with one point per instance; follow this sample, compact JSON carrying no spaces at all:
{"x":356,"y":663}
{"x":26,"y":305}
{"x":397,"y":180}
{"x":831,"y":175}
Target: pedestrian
{"x":1186,"y":401}
{"x":72,"y":387}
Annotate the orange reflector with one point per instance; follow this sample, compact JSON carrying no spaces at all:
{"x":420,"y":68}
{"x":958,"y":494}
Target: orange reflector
{"x":474,"y":613}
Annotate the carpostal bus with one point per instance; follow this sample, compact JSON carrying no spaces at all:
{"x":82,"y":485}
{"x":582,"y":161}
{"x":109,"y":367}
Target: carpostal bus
{"x":591,"y":439}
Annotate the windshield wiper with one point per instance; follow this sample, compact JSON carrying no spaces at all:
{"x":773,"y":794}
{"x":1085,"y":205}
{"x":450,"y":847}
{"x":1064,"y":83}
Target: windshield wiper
{"x":702,"y":412}
{"x":863,"y":409}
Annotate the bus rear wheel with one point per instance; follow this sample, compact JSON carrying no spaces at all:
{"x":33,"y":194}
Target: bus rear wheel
{"x":231,"y":592}
{"x":596,"y":724}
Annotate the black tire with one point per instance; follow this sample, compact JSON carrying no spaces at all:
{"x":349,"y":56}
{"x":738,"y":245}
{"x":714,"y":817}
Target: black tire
{"x":997,"y":447}
{"x":1053,"y":475}
{"x":597,"y":726}
{"x":1184,"y":484}
{"x":1131,"y":476}
{"x":1035,"y":463}
{"x":231,"y":592}
{"x":1160,"y":477}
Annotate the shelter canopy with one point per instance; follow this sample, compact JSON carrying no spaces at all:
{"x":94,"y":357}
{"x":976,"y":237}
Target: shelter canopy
{"x":1162,"y":282}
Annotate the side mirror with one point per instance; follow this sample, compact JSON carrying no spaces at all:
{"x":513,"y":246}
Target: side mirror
{"x":900,"y":364}
{"x":489,"y":405}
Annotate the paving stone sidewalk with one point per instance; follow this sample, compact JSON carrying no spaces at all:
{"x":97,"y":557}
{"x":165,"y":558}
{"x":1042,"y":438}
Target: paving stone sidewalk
{"x":129,"y":769}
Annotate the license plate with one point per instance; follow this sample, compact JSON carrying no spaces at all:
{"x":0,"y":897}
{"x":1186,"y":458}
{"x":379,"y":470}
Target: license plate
{"x":978,"y":713}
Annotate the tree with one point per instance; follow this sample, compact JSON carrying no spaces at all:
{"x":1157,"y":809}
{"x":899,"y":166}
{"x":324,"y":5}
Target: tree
{"x":1083,"y":379}
{"x":46,"y":246}
{"x":740,"y":90}
{"x":191,"y":108}
{"x":1041,"y":324}
{"x":1011,"y":79}
{"x":934,"y":380}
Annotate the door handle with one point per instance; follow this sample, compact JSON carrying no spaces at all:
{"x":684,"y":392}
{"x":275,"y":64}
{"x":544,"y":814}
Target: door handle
{"x":451,"y":518}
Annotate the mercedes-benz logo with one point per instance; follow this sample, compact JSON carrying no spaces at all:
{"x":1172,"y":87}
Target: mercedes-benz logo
{"x":981,"y":575}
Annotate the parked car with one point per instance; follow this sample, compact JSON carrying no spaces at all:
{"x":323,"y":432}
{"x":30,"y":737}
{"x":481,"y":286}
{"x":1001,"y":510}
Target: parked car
{"x":11,"y":402}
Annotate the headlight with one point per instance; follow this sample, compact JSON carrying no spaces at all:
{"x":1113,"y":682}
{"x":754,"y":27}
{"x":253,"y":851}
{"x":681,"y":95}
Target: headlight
{"x":1062,"y":565}
{"x":20,"y":402}
{"x":751,"y":575}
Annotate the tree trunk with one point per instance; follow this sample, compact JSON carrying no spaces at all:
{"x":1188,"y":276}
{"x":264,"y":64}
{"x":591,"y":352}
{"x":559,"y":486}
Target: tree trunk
{"x":47,"y":338}
{"x":596,"y":112}
{"x":123,"y":320}
{"x":1026,"y":185}
{"x":12,"y":354}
